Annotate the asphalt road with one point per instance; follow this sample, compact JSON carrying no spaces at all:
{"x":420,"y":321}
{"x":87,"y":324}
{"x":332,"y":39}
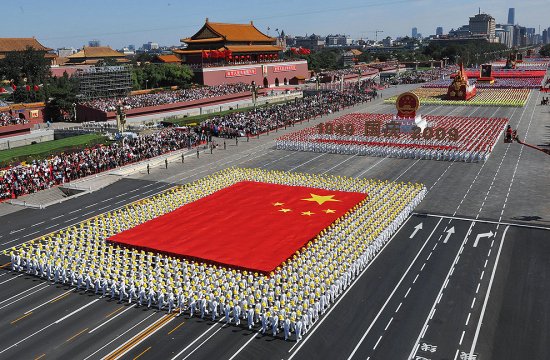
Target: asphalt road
{"x":472,"y":280}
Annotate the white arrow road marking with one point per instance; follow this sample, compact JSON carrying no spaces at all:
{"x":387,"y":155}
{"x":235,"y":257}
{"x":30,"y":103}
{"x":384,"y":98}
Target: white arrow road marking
{"x":479,"y":236}
{"x":416,"y":229}
{"x":449,"y":233}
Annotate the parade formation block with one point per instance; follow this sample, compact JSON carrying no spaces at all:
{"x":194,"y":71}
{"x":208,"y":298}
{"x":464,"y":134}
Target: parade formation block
{"x":452,"y":138}
{"x":336,"y":227}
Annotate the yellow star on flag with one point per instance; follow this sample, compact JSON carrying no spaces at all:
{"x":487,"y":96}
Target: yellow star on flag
{"x":285,"y":210}
{"x":319,"y":199}
{"x":329,"y":211}
{"x":278,"y":204}
{"x":308,"y":213}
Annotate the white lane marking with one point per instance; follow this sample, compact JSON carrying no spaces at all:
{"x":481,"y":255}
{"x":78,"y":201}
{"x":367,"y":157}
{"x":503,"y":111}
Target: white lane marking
{"x":31,"y":234}
{"x":484,"y":221}
{"x":47,"y":302}
{"x":413,"y":351}
{"x":48,"y":326}
{"x":110,"y":319}
{"x":76,"y":311}
{"x":391,"y":295}
{"x":51,"y":226}
{"x":73,"y":219}
{"x":16,"y":231}
{"x":91,"y":205}
{"x":74,"y":211}
{"x":9,"y":242}
{"x":468,"y":319}
{"x":208,"y":338}
{"x":474,"y":343}
{"x":399,"y":307}
{"x":57,"y":217}
{"x":461,"y":338}
{"x":194,"y":341}
{"x":133,"y":345}
{"x":340,"y":163}
{"x":389,"y":322}
{"x":21,"y":293}
{"x":22,"y":297}
{"x":312,"y":331}
{"x":407,"y":294}
{"x":38,"y":223}
{"x":375,"y":345}
{"x":307,"y":162}
{"x":13,"y":278}
{"x":118,"y":337}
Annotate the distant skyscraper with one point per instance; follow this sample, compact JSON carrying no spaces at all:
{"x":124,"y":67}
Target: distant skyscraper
{"x":414,"y":32}
{"x":439,"y":31}
{"x":511,"y":16}
{"x":94,"y":43}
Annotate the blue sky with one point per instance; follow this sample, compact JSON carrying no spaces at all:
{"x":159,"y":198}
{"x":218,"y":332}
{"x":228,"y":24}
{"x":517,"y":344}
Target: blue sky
{"x":117,"y":23}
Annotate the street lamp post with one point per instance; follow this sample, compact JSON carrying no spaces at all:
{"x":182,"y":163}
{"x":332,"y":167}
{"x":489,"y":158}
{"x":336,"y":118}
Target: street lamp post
{"x":146,"y":83}
{"x":254,"y":94}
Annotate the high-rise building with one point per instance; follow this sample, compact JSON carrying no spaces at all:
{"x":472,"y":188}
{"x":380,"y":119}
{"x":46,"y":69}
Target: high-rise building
{"x":545,"y":36}
{"x":94,"y":43}
{"x":511,"y":16}
{"x":439,"y":31}
{"x":414,"y":33}
{"x":483,"y":24}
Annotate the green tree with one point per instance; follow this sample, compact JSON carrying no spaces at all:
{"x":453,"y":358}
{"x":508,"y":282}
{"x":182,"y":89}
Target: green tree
{"x":161,"y":75}
{"x":545,"y":50}
{"x":62,"y":96}
{"x":25,"y":67}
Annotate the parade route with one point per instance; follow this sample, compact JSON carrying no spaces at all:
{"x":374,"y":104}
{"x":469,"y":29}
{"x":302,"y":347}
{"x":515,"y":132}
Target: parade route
{"x":462,"y":278}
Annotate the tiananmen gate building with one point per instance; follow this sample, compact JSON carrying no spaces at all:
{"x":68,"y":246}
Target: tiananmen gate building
{"x":222,"y":53}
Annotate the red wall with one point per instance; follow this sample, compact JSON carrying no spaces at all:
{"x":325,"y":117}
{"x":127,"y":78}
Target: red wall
{"x":13,"y":130}
{"x":255,"y":72}
{"x":88,"y":114}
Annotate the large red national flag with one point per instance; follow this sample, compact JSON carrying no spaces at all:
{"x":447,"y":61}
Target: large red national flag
{"x":249,"y":225}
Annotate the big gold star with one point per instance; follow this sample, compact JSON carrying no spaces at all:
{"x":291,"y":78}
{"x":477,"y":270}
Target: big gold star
{"x":319,"y":199}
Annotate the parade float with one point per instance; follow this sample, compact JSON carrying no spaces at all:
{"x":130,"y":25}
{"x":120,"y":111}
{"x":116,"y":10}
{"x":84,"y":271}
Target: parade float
{"x":461,"y":89}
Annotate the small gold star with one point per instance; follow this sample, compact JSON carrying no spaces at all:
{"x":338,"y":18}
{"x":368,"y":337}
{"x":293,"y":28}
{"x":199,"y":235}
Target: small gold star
{"x":285,"y":210}
{"x":278,"y":204}
{"x":329,"y":211}
{"x":308,"y":213}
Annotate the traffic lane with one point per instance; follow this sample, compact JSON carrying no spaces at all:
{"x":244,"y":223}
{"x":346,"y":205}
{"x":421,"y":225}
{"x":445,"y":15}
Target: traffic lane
{"x":76,"y":216}
{"x":229,"y":340}
{"x":21,"y":223}
{"x":182,"y":339}
{"x":407,"y":311}
{"x":357,"y":308}
{"x":56,"y":315}
{"x":516,"y":319}
{"x":114,"y":324}
{"x":459,"y":309}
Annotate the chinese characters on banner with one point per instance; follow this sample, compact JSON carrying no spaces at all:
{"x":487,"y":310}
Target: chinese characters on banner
{"x":240,"y":72}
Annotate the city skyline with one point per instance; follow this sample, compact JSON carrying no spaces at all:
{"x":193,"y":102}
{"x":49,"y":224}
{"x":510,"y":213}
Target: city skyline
{"x":123,"y":23}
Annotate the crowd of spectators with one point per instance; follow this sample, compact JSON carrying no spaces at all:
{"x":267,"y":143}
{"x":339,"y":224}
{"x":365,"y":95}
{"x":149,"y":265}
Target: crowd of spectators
{"x":39,"y":175}
{"x":43,"y":174}
{"x":166,"y":97}
{"x":7,"y":119}
{"x":265,"y":119}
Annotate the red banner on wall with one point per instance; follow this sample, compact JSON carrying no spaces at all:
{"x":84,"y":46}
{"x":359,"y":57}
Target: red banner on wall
{"x":240,"y":72}
{"x":284,"y":68}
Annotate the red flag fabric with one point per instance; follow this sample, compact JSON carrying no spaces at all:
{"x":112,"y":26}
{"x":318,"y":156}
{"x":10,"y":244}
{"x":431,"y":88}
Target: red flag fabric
{"x":249,"y":225}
